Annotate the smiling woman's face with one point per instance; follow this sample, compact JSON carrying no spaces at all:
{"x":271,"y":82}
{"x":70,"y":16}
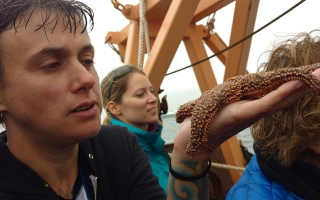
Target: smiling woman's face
{"x":139,"y":105}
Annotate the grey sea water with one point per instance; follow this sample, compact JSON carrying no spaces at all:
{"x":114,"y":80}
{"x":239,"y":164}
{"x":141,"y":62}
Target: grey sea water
{"x":178,"y":97}
{"x":170,"y":128}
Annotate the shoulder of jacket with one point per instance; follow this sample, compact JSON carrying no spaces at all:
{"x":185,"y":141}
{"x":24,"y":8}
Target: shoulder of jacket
{"x":109,"y":133}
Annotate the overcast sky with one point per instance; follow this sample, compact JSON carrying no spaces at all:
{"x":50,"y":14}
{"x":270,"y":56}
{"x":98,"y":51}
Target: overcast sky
{"x":178,"y":86}
{"x":304,"y":18}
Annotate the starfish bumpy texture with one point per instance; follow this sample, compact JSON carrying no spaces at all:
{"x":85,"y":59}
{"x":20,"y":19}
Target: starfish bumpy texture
{"x":250,"y":86}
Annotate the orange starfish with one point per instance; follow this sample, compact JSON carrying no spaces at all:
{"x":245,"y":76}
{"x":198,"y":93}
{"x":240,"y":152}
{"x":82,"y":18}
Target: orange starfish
{"x":250,"y":86}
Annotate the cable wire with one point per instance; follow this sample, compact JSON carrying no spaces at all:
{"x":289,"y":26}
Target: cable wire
{"x":243,"y":39}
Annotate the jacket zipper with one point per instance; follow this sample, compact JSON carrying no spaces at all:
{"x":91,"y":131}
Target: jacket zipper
{"x":94,"y":181}
{"x":95,"y":188}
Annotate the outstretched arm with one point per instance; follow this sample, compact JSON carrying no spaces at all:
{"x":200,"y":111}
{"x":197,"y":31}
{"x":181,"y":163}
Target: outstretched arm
{"x":227,"y":122}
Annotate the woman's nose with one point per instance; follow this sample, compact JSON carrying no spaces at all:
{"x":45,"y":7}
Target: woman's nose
{"x":153,"y":98}
{"x":84,"y":78}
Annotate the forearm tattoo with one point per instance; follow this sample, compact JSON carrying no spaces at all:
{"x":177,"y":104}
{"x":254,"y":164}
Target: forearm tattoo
{"x":188,"y":190}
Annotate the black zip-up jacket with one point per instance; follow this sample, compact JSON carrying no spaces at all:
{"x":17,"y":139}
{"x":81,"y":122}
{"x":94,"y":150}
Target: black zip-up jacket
{"x":114,"y":156}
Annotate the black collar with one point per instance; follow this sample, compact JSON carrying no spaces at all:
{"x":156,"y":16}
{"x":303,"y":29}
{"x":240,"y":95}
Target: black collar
{"x":301,"y":178}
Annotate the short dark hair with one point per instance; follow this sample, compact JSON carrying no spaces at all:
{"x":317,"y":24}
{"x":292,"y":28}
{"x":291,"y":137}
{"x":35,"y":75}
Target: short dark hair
{"x":14,"y":12}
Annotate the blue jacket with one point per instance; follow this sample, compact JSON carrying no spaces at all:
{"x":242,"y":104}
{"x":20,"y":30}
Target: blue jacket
{"x":152,"y":144}
{"x":255,"y":185}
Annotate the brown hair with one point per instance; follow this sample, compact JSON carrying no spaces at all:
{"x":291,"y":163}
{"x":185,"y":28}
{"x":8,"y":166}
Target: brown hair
{"x":285,"y":135}
{"x":114,"y":85}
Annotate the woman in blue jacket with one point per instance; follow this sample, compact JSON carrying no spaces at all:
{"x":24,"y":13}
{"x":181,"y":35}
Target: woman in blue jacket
{"x":129,"y":100}
{"x":287,"y":144}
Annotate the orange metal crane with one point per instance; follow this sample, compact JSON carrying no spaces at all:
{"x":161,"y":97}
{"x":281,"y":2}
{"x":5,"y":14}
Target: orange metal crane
{"x":171,"y":22}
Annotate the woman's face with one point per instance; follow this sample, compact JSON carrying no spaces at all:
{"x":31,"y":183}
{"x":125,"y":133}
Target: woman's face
{"x":139,"y":105}
{"x":52,"y":93}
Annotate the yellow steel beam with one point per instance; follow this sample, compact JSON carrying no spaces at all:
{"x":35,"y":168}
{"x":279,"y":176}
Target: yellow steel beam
{"x":118,"y":37}
{"x":250,"y":29}
{"x":131,"y":55}
{"x":155,"y":10}
{"x":196,"y":51}
{"x":153,"y":31}
{"x":216,"y":44}
{"x":243,"y":23}
{"x":121,"y":37}
{"x":233,"y":156}
{"x":169,"y":37}
{"x":207,"y":7}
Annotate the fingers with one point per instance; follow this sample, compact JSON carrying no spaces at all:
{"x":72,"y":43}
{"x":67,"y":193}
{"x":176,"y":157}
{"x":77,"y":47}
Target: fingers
{"x":317,"y":73}
{"x":282,"y":97}
{"x":278,"y":99}
{"x":240,"y":115}
{"x":237,"y":116}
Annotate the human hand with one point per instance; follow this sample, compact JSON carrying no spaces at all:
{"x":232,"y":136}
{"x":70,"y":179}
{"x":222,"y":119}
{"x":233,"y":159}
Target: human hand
{"x":239,"y":115}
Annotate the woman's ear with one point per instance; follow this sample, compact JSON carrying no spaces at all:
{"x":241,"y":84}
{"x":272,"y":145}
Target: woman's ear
{"x":315,"y":147}
{"x":114,"y":108}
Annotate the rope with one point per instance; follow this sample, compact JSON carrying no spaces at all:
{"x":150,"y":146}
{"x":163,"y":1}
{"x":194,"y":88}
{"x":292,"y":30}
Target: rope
{"x":223,"y":166}
{"x":143,"y":31}
{"x":116,"y":50}
{"x":235,"y":44}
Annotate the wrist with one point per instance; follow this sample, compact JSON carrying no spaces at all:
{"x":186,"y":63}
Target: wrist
{"x":186,"y":175}
{"x":189,"y":169}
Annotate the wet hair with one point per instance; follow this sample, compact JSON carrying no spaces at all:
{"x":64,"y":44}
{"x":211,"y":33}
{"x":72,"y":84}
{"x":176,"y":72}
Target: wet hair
{"x":285,"y":135}
{"x":114,"y":85}
{"x":16,"y":14}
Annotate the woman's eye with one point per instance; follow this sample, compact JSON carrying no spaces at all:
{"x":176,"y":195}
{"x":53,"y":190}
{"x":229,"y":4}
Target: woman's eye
{"x":52,"y":66}
{"x":140,"y":94}
{"x":87,"y":63}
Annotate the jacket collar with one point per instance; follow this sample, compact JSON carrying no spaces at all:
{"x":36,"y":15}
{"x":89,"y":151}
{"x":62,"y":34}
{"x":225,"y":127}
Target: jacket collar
{"x":19,"y":180}
{"x":301,"y":178}
{"x":147,"y":140}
